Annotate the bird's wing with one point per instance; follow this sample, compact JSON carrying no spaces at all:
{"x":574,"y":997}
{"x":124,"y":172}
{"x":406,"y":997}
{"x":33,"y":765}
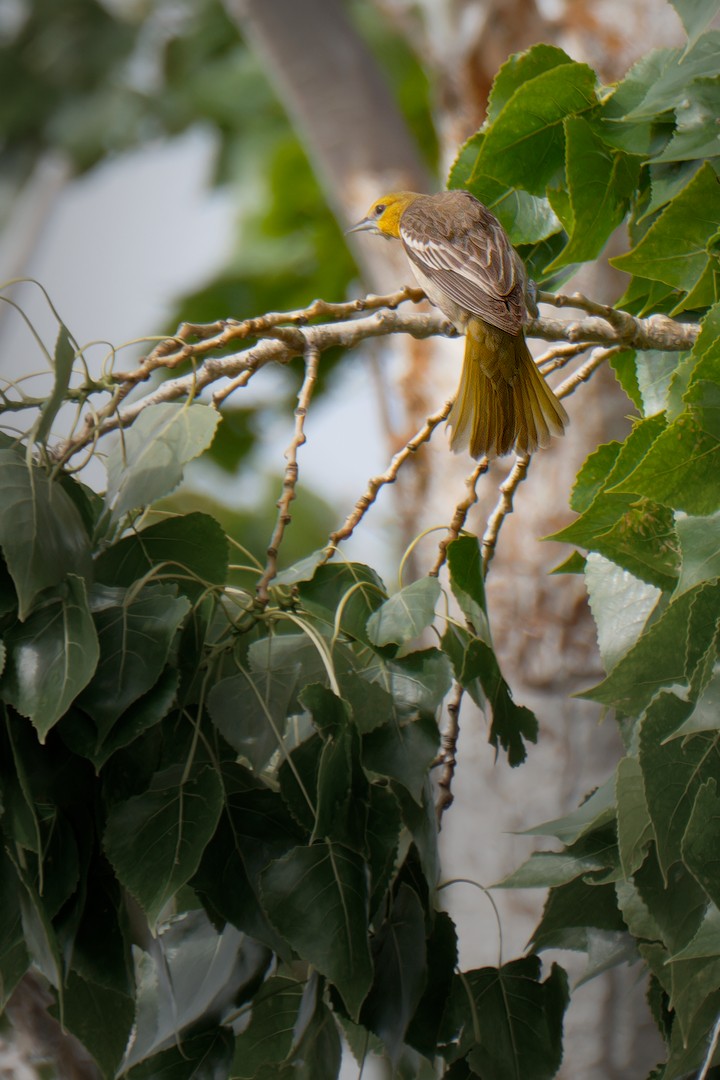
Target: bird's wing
{"x":466,"y":254}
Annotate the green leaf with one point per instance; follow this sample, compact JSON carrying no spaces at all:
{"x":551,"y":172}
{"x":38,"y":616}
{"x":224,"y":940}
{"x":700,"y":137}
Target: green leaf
{"x":699,"y":539}
{"x":696,"y":16}
{"x":525,"y":146}
{"x":674,"y":250}
{"x":696,"y":136}
{"x":621,"y":605}
{"x":317,"y":898}
{"x":418,"y":682}
{"x":268,"y":1038}
{"x":41,"y":533}
{"x":700,"y":842}
{"x":14,"y":959}
{"x":679,"y":470}
{"x":135,"y":631}
{"x":371,"y":705}
{"x":635,"y":533}
{"x":519,"y":69}
{"x":406,"y":614}
{"x":654,"y":662}
{"x":189,"y":978}
{"x":655,"y":373}
{"x":382,"y":837}
{"x":511,"y":724}
{"x":601,"y":182}
{"x":148,"y":462}
{"x":207,"y":1055}
{"x":100,"y":1018}
{"x":251,"y":712}
{"x":442,"y":959}
{"x":705,"y":715}
{"x":155,"y":840}
{"x":356,"y":587}
{"x":63,"y":364}
{"x":191,"y":550}
{"x":255,"y":827}
{"x":547,"y":869}
{"x":399,"y":959}
{"x":464,"y":558}
{"x":597,"y":810}
{"x":676,"y":902}
{"x":673,"y":772}
{"x":509,"y":1023}
{"x":576,"y":915}
{"x":705,"y":943}
{"x":403,"y":750}
{"x":58,"y":640}
{"x":668,"y":82}
{"x":634,"y":826}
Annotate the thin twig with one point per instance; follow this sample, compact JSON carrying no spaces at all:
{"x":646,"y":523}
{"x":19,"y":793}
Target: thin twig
{"x":585,"y":371}
{"x":312,"y":360}
{"x":388,"y":477}
{"x":503,"y":507}
{"x":707,"y":1063}
{"x":447,"y":758}
{"x":460,"y":515}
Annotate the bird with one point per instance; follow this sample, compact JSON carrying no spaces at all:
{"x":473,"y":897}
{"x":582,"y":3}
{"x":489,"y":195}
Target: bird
{"x":462,"y":258}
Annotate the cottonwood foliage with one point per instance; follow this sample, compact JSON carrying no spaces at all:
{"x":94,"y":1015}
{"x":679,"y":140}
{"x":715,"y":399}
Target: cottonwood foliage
{"x":219,"y":835}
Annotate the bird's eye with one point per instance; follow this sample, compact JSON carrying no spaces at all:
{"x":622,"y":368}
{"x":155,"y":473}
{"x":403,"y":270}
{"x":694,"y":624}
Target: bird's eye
{"x":380,"y":209}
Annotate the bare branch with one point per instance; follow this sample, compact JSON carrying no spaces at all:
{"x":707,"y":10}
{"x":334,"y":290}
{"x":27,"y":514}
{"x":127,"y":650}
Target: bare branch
{"x":460,"y":516}
{"x":312,"y":359}
{"x":503,"y":507}
{"x":447,"y":758}
{"x":280,"y":337}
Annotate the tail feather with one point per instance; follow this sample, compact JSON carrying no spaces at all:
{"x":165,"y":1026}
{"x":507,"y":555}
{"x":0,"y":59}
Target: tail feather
{"x":503,"y":400}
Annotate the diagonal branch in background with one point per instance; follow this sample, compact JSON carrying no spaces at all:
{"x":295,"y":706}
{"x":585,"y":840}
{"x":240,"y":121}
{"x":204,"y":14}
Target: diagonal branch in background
{"x":312,"y":360}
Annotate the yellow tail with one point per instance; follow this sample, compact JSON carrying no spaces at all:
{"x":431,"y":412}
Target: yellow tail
{"x":503,"y":400}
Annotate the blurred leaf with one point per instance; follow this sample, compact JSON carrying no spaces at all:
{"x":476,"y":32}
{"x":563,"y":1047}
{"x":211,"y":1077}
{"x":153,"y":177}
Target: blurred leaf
{"x":148,"y":461}
{"x":696,"y":16}
{"x":597,"y":810}
{"x":356,"y":587}
{"x":466,"y":580}
{"x":574,"y":914}
{"x":403,"y":750}
{"x":700,"y":549}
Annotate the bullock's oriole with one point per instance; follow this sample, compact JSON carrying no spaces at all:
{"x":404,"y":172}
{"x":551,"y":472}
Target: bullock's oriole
{"x":463,"y":259}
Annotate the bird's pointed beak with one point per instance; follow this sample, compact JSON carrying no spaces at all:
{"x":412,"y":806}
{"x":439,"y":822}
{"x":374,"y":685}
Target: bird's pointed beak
{"x":366,"y":225}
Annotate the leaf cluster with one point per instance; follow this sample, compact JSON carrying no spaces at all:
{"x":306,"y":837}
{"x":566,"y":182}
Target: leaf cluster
{"x":219,"y":839}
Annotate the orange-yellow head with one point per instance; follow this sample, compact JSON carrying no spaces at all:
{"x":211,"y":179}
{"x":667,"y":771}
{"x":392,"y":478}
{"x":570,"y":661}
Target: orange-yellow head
{"x":385,"y":213}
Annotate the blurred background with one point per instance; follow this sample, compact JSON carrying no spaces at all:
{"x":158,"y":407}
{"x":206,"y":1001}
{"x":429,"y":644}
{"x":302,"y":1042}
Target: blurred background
{"x":197,"y":160}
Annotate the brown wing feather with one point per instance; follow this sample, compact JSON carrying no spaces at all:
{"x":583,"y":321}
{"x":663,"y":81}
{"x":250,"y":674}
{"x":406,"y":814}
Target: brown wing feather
{"x":463,"y":249}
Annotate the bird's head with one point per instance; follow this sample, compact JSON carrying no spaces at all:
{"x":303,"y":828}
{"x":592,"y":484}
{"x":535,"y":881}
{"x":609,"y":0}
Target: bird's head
{"x":384,"y":215}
